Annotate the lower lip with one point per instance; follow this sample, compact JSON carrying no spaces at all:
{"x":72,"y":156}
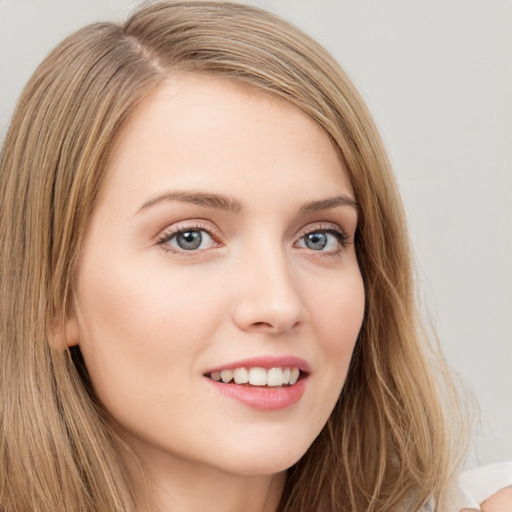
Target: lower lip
{"x":263,"y":398}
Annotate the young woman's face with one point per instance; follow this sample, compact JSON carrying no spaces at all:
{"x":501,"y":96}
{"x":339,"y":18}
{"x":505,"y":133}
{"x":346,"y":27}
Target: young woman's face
{"x":221,"y":246}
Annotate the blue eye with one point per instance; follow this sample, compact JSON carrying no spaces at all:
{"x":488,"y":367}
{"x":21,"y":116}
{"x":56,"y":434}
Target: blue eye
{"x":316,"y":241}
{"x":322,"y":240}
{"x":189,"y":240}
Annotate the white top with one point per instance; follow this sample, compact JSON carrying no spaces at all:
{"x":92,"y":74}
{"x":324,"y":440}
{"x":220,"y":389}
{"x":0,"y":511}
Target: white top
{"x":475,"y":486}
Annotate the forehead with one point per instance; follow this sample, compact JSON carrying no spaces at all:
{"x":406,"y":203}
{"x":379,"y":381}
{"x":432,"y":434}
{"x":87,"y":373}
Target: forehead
{"x":197,"y":131}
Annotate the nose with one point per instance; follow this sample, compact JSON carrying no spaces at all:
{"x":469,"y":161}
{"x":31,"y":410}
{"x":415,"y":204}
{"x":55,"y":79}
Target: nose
{"x":269,"y":298}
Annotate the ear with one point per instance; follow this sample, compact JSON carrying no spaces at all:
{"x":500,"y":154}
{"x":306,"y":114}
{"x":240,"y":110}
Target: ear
{"x":62,"y":330}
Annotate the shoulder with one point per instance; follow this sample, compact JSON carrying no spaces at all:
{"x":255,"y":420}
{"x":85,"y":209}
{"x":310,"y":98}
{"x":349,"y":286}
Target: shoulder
{"x":487,"y":489}
{"x":499,"y":502}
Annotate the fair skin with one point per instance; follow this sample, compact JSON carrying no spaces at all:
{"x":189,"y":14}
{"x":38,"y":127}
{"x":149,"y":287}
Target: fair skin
{"x":499,"y":502}
{"x":223,"y":234}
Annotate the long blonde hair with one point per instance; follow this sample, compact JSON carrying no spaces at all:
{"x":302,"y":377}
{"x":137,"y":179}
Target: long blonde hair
{"x":387,"y":444}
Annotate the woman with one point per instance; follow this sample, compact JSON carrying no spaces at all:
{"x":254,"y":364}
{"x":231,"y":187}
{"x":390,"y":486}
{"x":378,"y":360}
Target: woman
{"x":206,"y":281}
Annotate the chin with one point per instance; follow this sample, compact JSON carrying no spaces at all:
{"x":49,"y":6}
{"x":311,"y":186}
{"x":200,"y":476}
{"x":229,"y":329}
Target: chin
{"x":261,"y":462}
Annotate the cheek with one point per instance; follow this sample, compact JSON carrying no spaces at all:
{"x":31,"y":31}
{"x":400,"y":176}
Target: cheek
{"x":337,"y":313}
{"x":139,"y":321}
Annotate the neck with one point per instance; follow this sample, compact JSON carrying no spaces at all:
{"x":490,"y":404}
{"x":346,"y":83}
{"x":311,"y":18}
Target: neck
{"x":170,"y":484}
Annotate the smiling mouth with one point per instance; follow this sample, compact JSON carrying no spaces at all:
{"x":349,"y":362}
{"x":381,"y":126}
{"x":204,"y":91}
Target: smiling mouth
{"x":277,"y":377}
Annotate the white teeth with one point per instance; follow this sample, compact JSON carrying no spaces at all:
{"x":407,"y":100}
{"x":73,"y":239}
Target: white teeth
{"x":226,"y":375}
{"x":275,"y":377}
{"x":294,"y":375}
{"x":258,"y":376}
{"x":241,"y":375}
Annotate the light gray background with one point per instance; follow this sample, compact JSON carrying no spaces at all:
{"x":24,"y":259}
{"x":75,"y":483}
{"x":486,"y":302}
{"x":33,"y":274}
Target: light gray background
{"x":437,"y":75}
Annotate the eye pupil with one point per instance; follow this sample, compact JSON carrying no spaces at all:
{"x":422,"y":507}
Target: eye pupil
{"x":316,"y":241}
{"x":189,"y":240}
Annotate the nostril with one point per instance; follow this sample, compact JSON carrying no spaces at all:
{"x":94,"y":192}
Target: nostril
{"x":272,"y":328}
{"x":265,"y":327}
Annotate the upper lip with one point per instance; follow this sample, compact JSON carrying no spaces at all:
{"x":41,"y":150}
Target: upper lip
{"x":266,"y":362}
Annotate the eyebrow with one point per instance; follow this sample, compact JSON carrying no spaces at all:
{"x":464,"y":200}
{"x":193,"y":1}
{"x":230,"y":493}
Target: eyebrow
{"x":230,"y":204}
{"x":216,"y":201}
{"x":328,"y":203}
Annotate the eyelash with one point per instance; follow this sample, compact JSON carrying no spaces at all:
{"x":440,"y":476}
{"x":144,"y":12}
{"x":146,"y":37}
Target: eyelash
{"x":330,"y":229}
{"x":173,"y":231}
